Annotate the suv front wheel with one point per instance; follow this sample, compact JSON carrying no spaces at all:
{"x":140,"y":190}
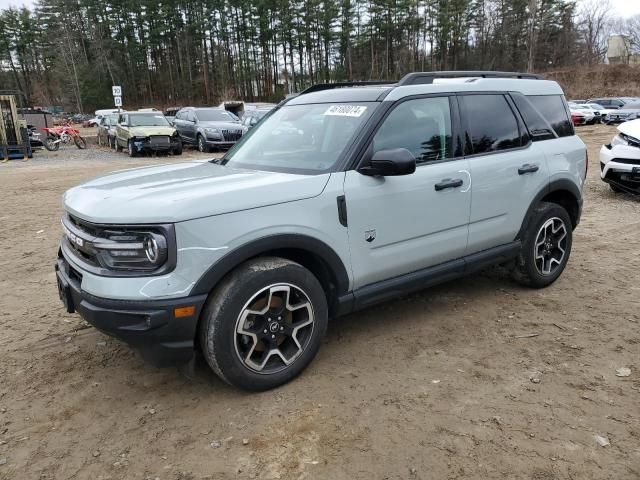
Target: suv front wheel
{"x":546,"y":246}
{"x":264,"y":323}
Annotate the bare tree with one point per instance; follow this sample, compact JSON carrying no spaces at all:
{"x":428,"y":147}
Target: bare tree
{"x":631,"y":30}
{"x":594,"y":16}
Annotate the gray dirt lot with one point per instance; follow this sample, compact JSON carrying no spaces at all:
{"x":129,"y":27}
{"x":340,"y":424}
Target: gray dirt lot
{"x":437,"y":385}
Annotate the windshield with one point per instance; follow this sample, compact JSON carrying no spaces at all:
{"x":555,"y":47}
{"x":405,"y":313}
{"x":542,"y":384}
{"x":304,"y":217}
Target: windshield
{"x":148,"y":120}
{"x":214,"y":116}
{"x":301,"y":138}
{"x":596,"y":106}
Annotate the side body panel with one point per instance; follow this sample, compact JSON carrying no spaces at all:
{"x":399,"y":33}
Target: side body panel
{"x":413,"y":226}
{"x":501,"y":196}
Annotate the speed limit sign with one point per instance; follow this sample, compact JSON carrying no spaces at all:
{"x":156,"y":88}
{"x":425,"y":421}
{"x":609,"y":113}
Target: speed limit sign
{"x":117,"y":91}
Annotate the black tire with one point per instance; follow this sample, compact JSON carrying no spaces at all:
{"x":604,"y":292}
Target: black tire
{"x":80,"y":142}
{"x":51,"y":144}
{"x":615,"y":188}
{"x":118,"y":147}
{"x":131,"y":150}
{"x":178,"y":150}
{"x":99,"y":142}
{"x":202,"y":146}
{"x":532,"y":259}
{"x":227,"y":352}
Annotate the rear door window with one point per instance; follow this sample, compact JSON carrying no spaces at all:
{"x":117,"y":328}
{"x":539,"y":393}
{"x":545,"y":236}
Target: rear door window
{"x":491,"y":125}
{"x":553,"y":109}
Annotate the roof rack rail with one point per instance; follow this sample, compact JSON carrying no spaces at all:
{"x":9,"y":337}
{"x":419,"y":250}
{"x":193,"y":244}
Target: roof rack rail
{"x":421,"y":78}
{"x":329,"y":86}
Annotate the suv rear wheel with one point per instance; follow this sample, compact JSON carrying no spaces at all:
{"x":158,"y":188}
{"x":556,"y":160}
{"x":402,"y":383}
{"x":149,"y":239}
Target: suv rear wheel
{"x":264,"y":323}
{"x":546,"y":246}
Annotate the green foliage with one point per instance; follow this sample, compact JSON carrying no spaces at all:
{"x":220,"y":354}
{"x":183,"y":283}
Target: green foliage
{"x":179,"y":52}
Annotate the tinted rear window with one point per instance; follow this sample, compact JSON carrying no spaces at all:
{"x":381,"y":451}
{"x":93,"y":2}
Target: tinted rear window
{"x":552,"y":108}
{"x":491,"y":124}
{"x":538,"y":127}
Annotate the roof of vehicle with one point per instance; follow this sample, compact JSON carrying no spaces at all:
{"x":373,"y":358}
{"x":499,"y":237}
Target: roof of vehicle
{"x":428,"y":82}
{"x":142,"y":113}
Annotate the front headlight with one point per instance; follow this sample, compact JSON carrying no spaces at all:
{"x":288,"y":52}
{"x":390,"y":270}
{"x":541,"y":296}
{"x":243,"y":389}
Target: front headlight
{"x":120,"y":250}
{"x":144,"y":251}
{"x":622,"y":139}
{"x":213,"y":131}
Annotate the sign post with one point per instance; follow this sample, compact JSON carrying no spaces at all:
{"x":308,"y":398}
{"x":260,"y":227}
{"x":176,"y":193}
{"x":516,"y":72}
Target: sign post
{"x":117,"y":96}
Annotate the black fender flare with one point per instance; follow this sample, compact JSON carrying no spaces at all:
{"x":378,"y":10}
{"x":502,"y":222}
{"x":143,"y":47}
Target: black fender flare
{"x":262,"y":245}
{"x":562,"y":184}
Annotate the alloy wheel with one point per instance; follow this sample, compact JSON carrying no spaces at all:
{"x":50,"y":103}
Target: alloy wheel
{"x":200,"y":144}
{"x":551,"y":246}
{"x":274,"y":328}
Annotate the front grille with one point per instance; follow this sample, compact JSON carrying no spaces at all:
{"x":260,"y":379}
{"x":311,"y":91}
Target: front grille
{"x":231,"y":135}
{"x":159,"y":141}
{"x":77,"y":239}
{"x":624,"y":179}
{"x":626,"y":161}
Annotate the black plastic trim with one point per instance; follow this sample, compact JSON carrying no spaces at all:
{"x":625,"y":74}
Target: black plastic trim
{"x":231,"y":260}
{"x":149,"y":326}
{"x":421,"y":279}
{"x":342,"y":210}
{"x":422,"y":78}
{"x":318,"y":87}
{"x":555,"y":186}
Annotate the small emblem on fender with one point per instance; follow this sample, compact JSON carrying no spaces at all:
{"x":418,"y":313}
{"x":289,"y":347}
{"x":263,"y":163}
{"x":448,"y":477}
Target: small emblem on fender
{"x":370,"y":235}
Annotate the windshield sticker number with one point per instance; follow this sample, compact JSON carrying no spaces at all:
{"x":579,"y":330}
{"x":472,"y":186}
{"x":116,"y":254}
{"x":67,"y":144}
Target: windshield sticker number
{"x":346,"y":110}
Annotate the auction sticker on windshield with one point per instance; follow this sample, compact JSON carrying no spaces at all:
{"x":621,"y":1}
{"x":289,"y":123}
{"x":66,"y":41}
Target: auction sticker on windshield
{"x":346,"y":110}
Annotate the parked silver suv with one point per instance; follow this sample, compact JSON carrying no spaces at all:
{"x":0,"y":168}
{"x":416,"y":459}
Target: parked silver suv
{"x":345,"y":196}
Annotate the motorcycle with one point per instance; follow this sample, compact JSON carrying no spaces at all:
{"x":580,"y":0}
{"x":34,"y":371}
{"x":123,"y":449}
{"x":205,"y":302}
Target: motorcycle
{"x":63,"y":135}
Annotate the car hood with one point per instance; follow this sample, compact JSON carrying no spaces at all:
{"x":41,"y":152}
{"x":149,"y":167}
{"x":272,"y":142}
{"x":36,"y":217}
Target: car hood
{"x":148,"y":131}
{"x":221,"y":125}
{"x":174,"y":193}
{"x":631,"y":128}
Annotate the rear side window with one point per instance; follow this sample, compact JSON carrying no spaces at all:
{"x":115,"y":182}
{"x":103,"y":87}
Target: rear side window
{"x":552,"y":108}
{"x":538,"y":127}
{"x":491,"y":124}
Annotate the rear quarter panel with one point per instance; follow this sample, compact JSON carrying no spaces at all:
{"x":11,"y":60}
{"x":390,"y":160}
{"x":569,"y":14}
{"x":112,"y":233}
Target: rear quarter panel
{"x":567,"y":159}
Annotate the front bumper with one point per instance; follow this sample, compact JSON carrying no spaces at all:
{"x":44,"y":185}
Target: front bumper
{"x":145,"y":145}
{"x":613,"y":118}
{"x":150,"y":327}
{"x":220,"y":143}
{"x":620,"y":166}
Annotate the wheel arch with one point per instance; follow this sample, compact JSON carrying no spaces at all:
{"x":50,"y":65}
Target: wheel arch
{"x":561,"y":192}
{"x":313,"y":254}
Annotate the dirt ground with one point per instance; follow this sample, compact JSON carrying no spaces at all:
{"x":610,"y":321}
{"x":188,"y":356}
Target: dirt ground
{"x":448,"y":383}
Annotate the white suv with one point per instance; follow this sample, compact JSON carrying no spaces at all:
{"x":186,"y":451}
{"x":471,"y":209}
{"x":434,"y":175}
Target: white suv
{"x":344,"y":196}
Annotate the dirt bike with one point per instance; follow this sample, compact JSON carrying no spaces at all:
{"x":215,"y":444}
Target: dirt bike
{"x":65,"y":135}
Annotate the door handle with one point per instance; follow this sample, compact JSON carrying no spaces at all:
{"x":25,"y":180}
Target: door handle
{"x":528,"y":168}
{"x":448,"y":183}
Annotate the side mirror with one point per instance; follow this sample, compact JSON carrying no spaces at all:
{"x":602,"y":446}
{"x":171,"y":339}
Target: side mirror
{"x":390,"y":163}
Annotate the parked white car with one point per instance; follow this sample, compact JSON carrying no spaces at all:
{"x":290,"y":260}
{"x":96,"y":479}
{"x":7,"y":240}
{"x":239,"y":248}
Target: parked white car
{"x":599,"y":109}
{"x":620,"y":159}
{"x":589,"y":114}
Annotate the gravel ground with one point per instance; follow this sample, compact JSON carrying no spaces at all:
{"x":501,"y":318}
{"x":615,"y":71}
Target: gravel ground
{"x":448,"y":383}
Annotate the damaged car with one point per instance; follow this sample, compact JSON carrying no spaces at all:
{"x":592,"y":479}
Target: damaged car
{"x":620,"y":159}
